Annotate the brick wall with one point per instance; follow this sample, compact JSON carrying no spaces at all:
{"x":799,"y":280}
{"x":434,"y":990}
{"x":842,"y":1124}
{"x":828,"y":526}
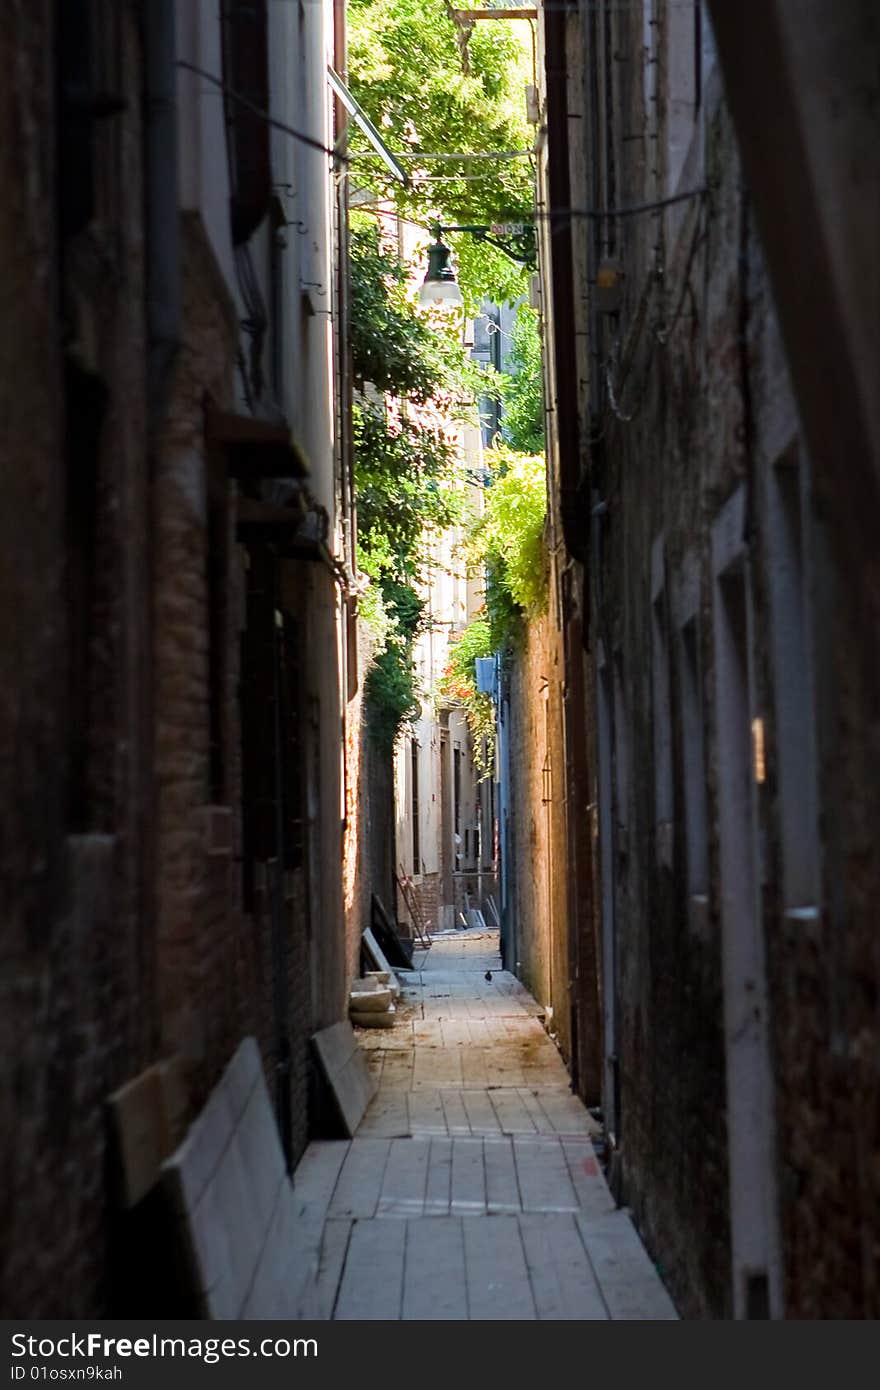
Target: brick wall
{"x":704,"y":412}
{"x":199,"y":906}
{"x":428,"y":891}
{"x":538,"y":845}
{"x":76,"y":998}
{"x":370,"y":837}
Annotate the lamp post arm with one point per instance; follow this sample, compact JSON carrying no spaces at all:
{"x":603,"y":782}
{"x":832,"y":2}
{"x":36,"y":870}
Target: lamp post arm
{"x":483,"y":233}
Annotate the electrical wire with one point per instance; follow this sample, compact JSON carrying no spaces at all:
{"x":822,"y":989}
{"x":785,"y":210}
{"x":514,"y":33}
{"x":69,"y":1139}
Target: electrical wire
{"x":258,"y":111}
{"x":448,"y":155}
{"x":600,"y":214}
{"x":553,"y":214}
{"x":549,"y":6}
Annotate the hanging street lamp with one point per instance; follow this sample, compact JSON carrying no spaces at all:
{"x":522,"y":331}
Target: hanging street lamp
{"x":440,"y":286}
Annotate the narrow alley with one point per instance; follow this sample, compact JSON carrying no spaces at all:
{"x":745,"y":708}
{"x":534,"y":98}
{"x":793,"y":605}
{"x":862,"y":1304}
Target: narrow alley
{"x":439,"y":662}
{"x":471,"y":1189}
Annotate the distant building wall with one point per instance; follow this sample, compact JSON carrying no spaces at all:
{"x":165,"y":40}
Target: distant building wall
{"x":538,"y":851}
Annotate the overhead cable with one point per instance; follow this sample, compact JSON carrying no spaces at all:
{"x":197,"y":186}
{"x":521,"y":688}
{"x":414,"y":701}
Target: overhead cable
{"x":258,"y":111}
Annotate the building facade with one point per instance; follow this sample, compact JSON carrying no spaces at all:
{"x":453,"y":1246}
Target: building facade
{"x":175,"y":605}
{"x":720,"y":633}
{"x":444,"y":805}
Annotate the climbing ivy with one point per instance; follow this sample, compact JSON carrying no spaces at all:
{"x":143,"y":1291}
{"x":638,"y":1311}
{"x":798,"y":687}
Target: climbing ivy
{"x":523,"y":422}
{"x":507,"y":542}
{"x":507,"y":546}
{"x":415,"y":384}
{"x":459,"y":683}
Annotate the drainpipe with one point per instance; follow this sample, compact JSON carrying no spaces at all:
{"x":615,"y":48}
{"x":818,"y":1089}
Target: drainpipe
{"x":162,"y":202}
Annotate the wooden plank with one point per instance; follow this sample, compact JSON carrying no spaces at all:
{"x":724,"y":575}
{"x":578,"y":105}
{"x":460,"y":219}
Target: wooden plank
{"x":542,"y":1171}
{"x":387,"y":1116}
{"x":285,"y":1282}
{"x":480,"y":1112}
{"x":398,"y":1069}
{"x":427,"y":1032}
{"x":262,"y":1157}
{"x":563,"y":1283}
{"x":457,"y":1122}
{"x":396,"y":948}
{"x":497,"y":1276}
{"x":482,"y":1033}
{"x":334,"y":1248}
{"x":435,"y":1284}
{"x":360,"y":1181}
{"x":513,"y":1117}
{"x":530,"y":1100}
{"x":236,"y":1204}
{"x":476,"y":1068}
{"x":506,"y":1068}
{"x":587,"y":1178}
{"x":630,"y":1285}
{"x":456,"y":1033}
{"x":346,"y":1072}
{"x":406,"y":1175}
{"x":502,"y":1185}
{"x":318,"y":1170}
{"x":375,"y":1061}
{"x":138,"y":1113}
{"x":437,"y":1066}
{"x":426,"y":1114}
{"x":371,"y":1287}
{"x":439,"y":1184}
{"x":468,"y":1192}
{"x":376,"y":954}
{"x":566,"y":1113}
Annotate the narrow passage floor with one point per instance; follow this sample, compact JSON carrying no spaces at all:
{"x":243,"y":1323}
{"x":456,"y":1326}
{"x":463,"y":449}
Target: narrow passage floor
{"x":472,"y":1189}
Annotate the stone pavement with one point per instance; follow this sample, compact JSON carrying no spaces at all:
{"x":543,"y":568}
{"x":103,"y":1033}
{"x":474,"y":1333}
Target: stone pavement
{"x":471,"y":1190}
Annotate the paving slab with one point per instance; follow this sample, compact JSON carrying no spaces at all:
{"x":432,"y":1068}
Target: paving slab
{"x":471,"y":1189}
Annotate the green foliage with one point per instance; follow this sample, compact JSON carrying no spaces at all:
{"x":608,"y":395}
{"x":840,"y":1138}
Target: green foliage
{"x":394,"y":348}
{"x":405,"y":481}
{"x":523,"y":420}
{"x":391,"y":346}
{"x":459,"y":683}
{"x":390,"y":693}
{"x":414,"y":383}
{"x":508,"y":541}
{"x":428,"y":91}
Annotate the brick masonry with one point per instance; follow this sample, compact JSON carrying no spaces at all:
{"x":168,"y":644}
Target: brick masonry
{"x":706,"y":409}
{"x":77,"y":1015}
{"x":538,"y":830}
{"x":126,"y":938}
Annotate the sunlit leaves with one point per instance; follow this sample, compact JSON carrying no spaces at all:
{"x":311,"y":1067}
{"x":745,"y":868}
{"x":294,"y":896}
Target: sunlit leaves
{"x":523,"y":422}
{"x":406,"y":70}
{"x":508,"y":542}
